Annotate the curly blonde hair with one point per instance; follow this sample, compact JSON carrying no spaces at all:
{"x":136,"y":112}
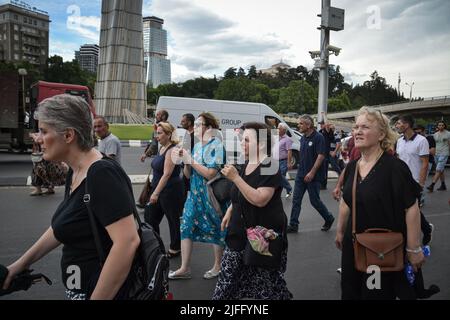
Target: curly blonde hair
{"x":169,"y":130}
{"x":390,"y":136}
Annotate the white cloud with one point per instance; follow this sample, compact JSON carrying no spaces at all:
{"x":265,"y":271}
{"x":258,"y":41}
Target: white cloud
{"x":64,"y":49}
{"x":85,"y":26}
{"x":206,"y":37}
{"x":207,"y":42}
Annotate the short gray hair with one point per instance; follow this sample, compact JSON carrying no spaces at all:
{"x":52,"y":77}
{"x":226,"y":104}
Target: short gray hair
{"x":308,"y":118}
{"x":65,"y":111}
{"x":283,"y":126}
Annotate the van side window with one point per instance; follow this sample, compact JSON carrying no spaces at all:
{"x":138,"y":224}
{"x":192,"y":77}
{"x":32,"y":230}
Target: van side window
{"x":272,"y":122}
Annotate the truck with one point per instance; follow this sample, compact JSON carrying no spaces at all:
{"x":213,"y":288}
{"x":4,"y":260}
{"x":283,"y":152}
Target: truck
{"x":231,"y":115}
{"x":18,"y":103}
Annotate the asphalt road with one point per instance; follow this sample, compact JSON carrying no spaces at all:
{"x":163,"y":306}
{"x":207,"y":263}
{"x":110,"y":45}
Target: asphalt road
{"x":312,"y":257}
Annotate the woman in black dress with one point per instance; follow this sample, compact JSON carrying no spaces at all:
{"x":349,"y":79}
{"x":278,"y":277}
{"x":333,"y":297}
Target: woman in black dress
{"x":386,"y":197}
{"x":256,"y":200}
{"x":66,"y":134}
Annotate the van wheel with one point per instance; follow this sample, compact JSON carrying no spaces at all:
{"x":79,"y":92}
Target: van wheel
{"x":294,"y":159}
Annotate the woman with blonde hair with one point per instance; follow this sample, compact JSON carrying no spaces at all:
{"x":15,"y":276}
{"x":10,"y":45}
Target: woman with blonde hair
{"x":167,"y":188}
{"x":386,"y":197}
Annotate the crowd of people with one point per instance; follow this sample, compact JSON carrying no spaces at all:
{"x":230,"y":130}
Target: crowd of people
{"x":381,"y":177}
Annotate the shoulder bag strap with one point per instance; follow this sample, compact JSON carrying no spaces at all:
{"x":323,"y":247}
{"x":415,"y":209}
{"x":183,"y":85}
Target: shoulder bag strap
{"x":98,"y":244}
{"x":87,"y":199}
{"x":355,"y":178}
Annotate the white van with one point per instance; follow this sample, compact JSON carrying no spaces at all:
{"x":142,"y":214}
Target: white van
{"x":231,"y":114}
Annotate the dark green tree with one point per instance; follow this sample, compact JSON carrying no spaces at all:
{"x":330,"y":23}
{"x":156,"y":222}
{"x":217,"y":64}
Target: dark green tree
{"x":243,"y":89}
{"x":252,"y":73}
{"x":339,"y":103}
{"x":230,"y":73}
{"x":298,"y":97}
{"x":241,"y":73}
{"x":200,"y":88}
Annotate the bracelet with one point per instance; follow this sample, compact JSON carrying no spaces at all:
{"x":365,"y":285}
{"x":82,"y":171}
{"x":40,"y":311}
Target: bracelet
{"x":415,"y":251}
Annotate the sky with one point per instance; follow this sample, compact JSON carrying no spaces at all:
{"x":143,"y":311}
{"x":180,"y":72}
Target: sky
{"x":206,"y":37}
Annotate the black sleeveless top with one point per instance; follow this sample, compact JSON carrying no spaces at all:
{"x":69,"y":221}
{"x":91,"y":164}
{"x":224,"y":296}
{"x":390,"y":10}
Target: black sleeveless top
{"x":158,"y":170}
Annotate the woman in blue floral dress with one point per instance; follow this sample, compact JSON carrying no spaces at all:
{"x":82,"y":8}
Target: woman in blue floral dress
{"x":200,"y":221}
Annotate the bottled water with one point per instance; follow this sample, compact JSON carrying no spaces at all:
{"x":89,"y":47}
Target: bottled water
{"x":409,"y":271}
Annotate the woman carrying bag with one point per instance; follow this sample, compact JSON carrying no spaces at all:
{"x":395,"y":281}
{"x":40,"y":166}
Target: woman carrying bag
{"x":385,"y":202}
{"x":66,"y":134}
{"x":255,"y":258}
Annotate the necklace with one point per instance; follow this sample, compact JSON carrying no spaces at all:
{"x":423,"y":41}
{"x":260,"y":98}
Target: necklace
{"x":74,"y":180}
{"x":376,"y":160}
{"x":163,"y":148}
{"x":367,"y":163}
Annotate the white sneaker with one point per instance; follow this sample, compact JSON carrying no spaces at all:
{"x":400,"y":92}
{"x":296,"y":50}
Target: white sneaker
{"x":288,"y":194}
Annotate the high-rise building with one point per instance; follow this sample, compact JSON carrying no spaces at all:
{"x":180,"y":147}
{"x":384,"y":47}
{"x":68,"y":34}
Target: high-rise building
{"x":23,"y":33}
{"x":87,"y":57}
{"x":157,"y":66}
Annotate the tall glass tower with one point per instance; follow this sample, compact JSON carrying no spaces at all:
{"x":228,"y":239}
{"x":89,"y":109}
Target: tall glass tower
{"x":157,"y":66}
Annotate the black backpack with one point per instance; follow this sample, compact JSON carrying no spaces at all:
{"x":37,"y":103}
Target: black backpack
{"x":148,"y":278}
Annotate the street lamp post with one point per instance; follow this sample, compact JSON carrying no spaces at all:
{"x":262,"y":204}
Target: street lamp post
{"x":410,"y":90}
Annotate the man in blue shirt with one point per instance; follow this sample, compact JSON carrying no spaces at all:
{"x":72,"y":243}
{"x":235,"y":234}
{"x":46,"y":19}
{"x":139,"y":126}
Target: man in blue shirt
{"x":310,"y":174}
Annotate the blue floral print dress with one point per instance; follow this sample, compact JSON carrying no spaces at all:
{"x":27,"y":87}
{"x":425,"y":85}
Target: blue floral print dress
{"x":200,"y":221}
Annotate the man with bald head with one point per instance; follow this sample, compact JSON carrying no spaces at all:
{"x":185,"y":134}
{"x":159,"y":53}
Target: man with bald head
{"x":109,"y":144}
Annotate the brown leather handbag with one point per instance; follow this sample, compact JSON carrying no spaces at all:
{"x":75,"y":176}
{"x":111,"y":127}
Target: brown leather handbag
{"x":380,"y":247}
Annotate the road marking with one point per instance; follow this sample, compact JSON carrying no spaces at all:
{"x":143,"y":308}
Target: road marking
{"x":135,"y":178}
{"x":437,"y":215}
{"x":135,"y":143}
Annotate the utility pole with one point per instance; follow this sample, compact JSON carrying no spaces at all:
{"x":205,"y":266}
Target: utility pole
{"x":399,"y":80}
{"x":410,"y":90}
{"x":332,"y":19}
{"x":323,"y":73}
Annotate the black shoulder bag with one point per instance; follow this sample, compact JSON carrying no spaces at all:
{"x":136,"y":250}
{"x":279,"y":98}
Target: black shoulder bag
{"x":148,"y":277}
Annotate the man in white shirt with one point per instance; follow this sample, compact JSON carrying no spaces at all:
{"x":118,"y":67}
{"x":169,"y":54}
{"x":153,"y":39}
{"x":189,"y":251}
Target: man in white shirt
{"x":414,"y":150}
{"x":109,"y":144}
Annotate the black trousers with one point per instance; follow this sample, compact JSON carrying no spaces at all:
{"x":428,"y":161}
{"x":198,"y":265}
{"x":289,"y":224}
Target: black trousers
{"x":170,"y":204}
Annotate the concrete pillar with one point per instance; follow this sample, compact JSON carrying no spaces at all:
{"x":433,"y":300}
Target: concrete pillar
{"x":120,"y":75}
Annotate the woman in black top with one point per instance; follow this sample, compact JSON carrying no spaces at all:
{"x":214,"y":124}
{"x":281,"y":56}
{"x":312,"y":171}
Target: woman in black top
{"x":386,"y":197}
{"x":256,"y":200}
{"x":66,"y":134}
{"x":167,"y":187}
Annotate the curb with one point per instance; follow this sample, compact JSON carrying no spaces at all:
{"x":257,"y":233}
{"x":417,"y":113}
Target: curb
{"x":135,"y":179}
{"x":134,"y":143}
{"x":26,"y":181}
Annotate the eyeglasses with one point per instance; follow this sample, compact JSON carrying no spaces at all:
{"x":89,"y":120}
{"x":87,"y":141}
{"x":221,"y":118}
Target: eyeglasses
{"x":199,"y":124}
